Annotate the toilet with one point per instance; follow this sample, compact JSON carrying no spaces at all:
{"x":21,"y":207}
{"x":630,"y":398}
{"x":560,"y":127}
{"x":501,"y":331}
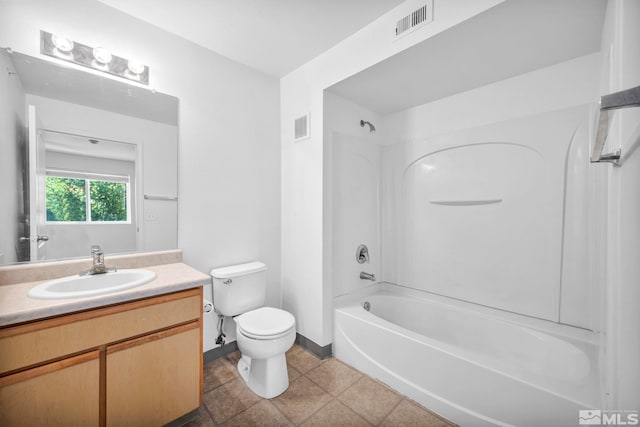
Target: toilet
{"x":264,"y":334}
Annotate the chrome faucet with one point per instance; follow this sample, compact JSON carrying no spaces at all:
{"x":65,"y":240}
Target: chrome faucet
{"x":368,"y":276}
{"x":98,"y":266}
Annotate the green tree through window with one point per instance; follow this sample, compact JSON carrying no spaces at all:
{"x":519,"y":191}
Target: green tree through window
{"x":85,"y":200}
{"x":108,"y":201}
{"x":66,"y":199}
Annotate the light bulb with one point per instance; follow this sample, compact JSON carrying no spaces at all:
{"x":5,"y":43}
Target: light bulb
{"x":101,"y":55}
{"x":62,"y":43}
{"x":135,"y":67}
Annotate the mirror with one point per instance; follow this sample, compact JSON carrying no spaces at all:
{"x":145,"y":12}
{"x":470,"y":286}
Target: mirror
{"x":84,"y":159}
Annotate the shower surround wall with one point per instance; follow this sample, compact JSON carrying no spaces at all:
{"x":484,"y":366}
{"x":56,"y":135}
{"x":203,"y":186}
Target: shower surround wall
{"x":354,"y":189}
{"x":482,"y":198}
{"x":479,"y":215}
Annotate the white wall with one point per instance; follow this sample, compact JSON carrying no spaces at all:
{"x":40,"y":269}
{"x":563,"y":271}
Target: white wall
{"x":621,"y":70}
{"x":228,"y":154}
{"x":12,"y":140}
{"x":304,"y":254}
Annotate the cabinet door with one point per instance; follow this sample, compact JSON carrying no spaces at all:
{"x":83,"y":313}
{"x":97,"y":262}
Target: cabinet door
{"x":62,"y":393}
{"x":154,"y":379}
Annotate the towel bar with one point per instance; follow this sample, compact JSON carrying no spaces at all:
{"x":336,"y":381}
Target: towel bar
{"x":166,"y":198}
{"x":608,"y":103}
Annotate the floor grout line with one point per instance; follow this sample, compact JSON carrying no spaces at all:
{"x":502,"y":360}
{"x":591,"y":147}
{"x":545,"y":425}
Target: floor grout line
{"x":391,"y":411}
{"x":283,"y":414}
{"x":311,"y":415}
{"x":208,"y":412}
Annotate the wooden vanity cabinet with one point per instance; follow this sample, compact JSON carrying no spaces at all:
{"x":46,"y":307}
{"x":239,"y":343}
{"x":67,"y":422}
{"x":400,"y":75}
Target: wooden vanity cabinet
{"x":137,"y":363}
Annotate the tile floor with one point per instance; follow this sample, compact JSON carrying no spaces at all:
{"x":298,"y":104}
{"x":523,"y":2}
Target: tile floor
{"x":320,"y":393}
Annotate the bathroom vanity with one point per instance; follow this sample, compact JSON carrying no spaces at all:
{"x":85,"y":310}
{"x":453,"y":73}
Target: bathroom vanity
{"x":133,"y":357}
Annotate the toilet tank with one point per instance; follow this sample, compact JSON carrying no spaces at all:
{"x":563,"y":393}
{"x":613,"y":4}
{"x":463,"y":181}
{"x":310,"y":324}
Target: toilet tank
{"x":239,"y":288}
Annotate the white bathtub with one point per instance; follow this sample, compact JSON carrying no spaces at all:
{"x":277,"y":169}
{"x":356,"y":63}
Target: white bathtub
{"x":471,"y":364}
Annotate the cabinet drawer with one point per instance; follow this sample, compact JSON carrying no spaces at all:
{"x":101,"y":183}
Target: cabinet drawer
{"x":40,"y":341}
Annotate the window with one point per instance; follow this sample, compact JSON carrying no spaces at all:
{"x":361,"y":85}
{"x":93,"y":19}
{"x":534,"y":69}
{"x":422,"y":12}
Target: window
{"x":73,"y":197}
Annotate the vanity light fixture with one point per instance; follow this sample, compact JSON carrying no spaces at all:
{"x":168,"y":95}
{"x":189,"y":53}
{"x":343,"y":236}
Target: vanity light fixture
{"x":98,"y":58}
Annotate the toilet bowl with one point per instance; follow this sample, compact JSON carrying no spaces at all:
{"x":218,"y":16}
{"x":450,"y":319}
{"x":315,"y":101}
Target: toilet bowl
{"x":263,"y":336}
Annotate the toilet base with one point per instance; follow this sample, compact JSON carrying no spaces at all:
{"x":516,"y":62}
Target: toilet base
{"x":265,"y":377}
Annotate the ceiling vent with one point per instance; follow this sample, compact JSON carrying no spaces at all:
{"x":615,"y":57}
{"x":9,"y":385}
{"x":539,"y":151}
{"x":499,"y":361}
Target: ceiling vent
{"x":419,"y":17}
{"x":301,"y":128}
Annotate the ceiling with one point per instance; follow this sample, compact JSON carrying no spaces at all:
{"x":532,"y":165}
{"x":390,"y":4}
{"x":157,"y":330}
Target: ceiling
{"x":272,"y":36}
{"x":512,"y":38}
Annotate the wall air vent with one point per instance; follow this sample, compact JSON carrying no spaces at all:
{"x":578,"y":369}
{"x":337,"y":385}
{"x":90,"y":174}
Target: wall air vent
{"x":419,"y":17}
{"x":301,"y":128}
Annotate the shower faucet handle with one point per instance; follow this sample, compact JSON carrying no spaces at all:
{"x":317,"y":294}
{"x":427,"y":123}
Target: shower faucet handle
{"x":362,"y":254}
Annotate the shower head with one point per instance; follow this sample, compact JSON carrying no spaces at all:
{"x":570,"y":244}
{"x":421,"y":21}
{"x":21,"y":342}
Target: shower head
{"x":372,"y":128}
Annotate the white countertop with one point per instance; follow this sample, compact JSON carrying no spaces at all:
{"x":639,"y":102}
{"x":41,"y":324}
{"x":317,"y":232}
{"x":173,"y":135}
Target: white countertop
{"x":17,"y":307}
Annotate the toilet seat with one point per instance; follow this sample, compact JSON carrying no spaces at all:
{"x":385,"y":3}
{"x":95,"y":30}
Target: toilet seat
{"x":265,"y":323}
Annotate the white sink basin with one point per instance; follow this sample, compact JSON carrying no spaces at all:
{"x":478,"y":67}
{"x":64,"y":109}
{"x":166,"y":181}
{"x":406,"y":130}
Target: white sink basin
{"x":87,"y":286}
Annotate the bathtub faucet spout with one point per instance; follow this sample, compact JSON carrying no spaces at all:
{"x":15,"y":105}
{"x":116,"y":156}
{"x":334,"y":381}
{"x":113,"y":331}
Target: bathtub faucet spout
{"x":368,"y":276}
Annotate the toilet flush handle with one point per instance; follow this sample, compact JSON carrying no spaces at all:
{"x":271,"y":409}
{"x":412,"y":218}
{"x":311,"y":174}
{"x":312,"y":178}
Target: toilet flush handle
{"x":227,"y":282}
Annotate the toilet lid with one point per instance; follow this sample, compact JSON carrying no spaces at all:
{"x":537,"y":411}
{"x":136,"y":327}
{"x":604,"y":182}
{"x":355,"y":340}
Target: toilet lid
{"x":265,"y":322}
